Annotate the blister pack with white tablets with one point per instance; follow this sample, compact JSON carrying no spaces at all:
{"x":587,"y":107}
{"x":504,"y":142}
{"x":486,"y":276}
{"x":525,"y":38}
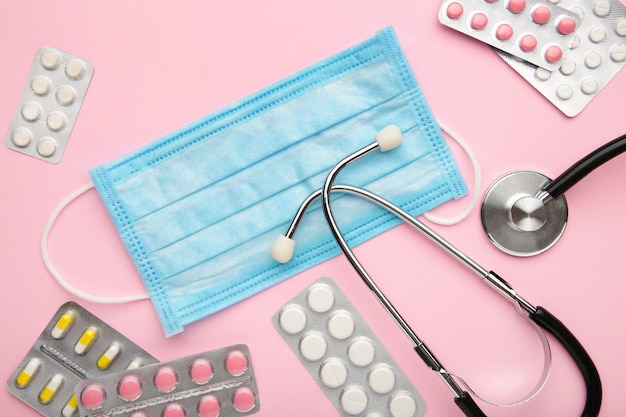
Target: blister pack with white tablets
{"x":74,"y":346}
{"x":344,"y":356}
{"x":534,"y":30}
{"x":215,"y":383}
{"x":597,"y":55}
{"x":49,"y":105}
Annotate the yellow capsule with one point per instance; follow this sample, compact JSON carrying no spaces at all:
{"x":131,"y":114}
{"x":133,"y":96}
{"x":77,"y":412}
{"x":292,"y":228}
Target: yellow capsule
{"x":52,"y":387}
{"x":63,"y":325}
{"x":86,"y":340}
{"x":28,"y":373}
{"x":109,"y":356}
{"x":70,"y":408}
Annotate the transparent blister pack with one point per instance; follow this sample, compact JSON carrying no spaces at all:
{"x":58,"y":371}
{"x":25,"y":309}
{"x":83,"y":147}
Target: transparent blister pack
{"x":344,"y":356}
{"x":74,"y":346}
{"x":597,"y":55}
{"x":534,"y":30}
{"x":49,"y":105}
{"x":219,"y":382}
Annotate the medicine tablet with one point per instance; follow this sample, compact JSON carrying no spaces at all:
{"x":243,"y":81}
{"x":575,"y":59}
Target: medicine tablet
{"x":361,"y":352}
{"x":589,"y":85}
{"x":51,"y":388}
{"x":174,"y":410}
{"x":541,"y":15}
{"x":504,"y":32}
{"x":40,"y":86}
{"x":129,"y":388}
{"x":209,"y":406}
{"x":618,"y":53}
{"x":528,"y":43}
{"x":63,"y":325}
{"x":553,"y":53}
{"x":165,"y":379}
{"x":479,"y":21}
{"x":47,"y":147}
{"x":602,"y":8}
{"x":65,"y":95}
{"x":92,"y":397}
{"x":28,"y":373}
{"x":31,"y":111}
{"x":341,"y":325}
{"x":70,"y":408}
{"x":568,"y":67}
{"x":516,"y":6}
{"x":75,"y":69}
{"x":542,"y":74}
{"x":138,"y":414}
{"x":201,"y":371}
{"x":597,"y":34}
{"x":321,"y":298}
{"x":313,"y":347}
{"x":244,"y":399}
{"x":402,"y":405}
{"x":566,"y":26}
{"x":454,"y":10}
{"x":620,"y":27}
{"x":50,"y":60}
{"x":90,"y":335}
{"x":236,"y":362}
{"x":292,"y":319}
{"x":56,"y":121}
{"x":593,"y":60}
{"x":564,"y":91}
{"x":21,"y":137}
{"x":109,"y":355}
{"x":353,"y":400}
{"x":382,"y":379}
{"x":333,"y":373}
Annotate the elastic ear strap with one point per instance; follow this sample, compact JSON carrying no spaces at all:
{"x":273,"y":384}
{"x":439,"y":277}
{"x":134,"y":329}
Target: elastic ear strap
{"x":477,"y":181}
{"x":56,"y":275}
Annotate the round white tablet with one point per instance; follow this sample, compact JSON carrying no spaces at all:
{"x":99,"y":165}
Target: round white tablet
{"x":361,"y":352}
{"x":75,"y":69}
{"x":618,"y":53}
{"x":66,"y":95}
{"x":321,"y":298}
{"x":589,"y":85}
{"x":313,"y":347}
{"x":382,"y":379}
{"x":56,"y":121}
{"x":50,"y":60}
{"x":341,"y":325}
{"x":564,"y":91}
{"x":542,"y":74}
{"x":31,"y":111}
{"x":597,"y":34}
{"x":353,"y":401}
{"x":333,"y":373}
{"x":620,"y":27}
{"x":402,"y":405}
{"x":602,"y":8}
{"x":292,"y":319}
{"x":568,"y":67}
{"x":21,"y":137}
{"x":46,"y":147}
{"x":40,"y":86}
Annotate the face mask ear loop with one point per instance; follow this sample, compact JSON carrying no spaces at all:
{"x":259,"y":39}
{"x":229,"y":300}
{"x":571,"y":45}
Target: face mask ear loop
{"x":56,"y":275}
{"x":477,"y":181}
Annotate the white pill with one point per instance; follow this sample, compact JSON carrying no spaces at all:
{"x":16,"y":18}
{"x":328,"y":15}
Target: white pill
{"x":40,"y":86}
{"x":618,"y":53}
{"x":56,"y":121}
{"x":382,"y":379}
{"x":21,"y":137}
{"x":589,"y":85}
{"x":542,"y":74}
{"x":620,"y":27}
{"x":602,"y":8}
{"x":597,"y":34}
{"x":46,"y":147}
{"x":292,"y":319}
{"x":341,"y":325}
{"x":564,"y":91}
{"x":593,"y":60}
{"x":578,"y":11}
{"x":50,"y":60}
{"x":66,"y":95}
{"x":353,"y":401}
{"x":568,"y":67}
{"x":374,"y":414}
{"x":402,"y":405}
{"x":575,"y":42}
{"x":31,"y":111}
{"x":361,"y":352}
{"x":321,"y":298}
{"x":313,"y":347}
{"x":333,"y":373}
{"x":75,"y":69}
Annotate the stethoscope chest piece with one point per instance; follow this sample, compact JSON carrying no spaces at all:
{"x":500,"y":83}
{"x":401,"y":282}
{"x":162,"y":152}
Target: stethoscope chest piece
{"x":516,"y":219}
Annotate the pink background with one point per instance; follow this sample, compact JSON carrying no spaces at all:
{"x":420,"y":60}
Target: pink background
{"x":161,"y":65}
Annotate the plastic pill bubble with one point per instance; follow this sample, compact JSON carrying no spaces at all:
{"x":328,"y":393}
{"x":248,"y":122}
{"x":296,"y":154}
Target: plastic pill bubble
{"x":313,"y":347}
{"x":21,"y":137}
{"x":341,"y":325}
{"x":236,"y":362}
{"x":566,"y":26}
{"x":353,"y":401}
{"x":31,"y":111}
{"x":174,"y":410}
{"x":65,"y":95}
{"x":553,"y":54}
{"x":70,"y":408}
{"x":165,"y":379}
{"x":90,"y":335}
{"x":28,"y":373}
{"x":92,"y":396}
{"x":209,"y":406}
{"x":454,"y":10}
{"x":63,"y":325}
{"x":516,"y":6}
{"x":56,"y":121}
{"x":541,"y":15}
{"x":620,"y":27}
{"x":568,"y":67}
{"x":201,"y":371}
{"x":479,"y":21}
{"x":321,"y":298}
{"x":244,"y":399}
{"x":292,"y":319}
{"x":40,"y":86}
{"x":361,"y":352}
{"x":106,"y":359}
{"x":75,"y":69}
{"x":333,"y":373}
{"x":382,"y":379}
{"x":528,"y":43}
{"x":504,"y":32}
{"x":589,"y":85}
{"x":51,"y":389}
{"x":602,"y":8}
{"x":50,"y":60}
{"x":597,"y":34}
{"x":402,"y":405}
{"x":129,"y":388}
{"x":618,"y":53}
{"x":47,"y":147}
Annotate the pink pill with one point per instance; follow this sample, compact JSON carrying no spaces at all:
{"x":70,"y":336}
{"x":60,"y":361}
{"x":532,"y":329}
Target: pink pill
{"x":516,"y":6}
{"x":454,"y":10}
{"x":504,"y":32}
{"x":209,"y":406}
{"x":566,"y":25}
{"x":541,"y":15}
{"x":479,"y":21}
{"x":165,"y":379}
{"x":528,"y":43}
{"x":174,"y":410}
{"x":129,"y":388}
{"x":553,"y":54}
{"x":236,"y":363}
{"x":201,"y":371}
{"x":92,"y":396}
{"x":243,"y":399}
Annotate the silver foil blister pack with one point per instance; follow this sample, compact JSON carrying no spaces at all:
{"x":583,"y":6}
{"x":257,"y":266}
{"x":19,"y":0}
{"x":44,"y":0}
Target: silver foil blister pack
{"x":74,"y":346}
{"x":49,"y":105}
{"x":216,"y":383}
{"x":344,"y":356}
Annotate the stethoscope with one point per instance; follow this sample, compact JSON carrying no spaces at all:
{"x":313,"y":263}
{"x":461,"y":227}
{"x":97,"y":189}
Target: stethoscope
{"x":387,"y":139}
{"x":524,"y":213}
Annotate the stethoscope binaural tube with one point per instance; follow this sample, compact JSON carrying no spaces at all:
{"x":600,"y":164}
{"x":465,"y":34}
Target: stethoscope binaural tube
{"x":524,"y":213}
{"x":284,"y":246}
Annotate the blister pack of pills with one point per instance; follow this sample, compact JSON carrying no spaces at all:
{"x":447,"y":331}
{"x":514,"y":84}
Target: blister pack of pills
{"x":344,"y":356}
{"x":74,"y":346}
{"x":215,"y":383}
{"x":597,"y":55}
{"x":49,"y":105}
{"x":534,"y":30}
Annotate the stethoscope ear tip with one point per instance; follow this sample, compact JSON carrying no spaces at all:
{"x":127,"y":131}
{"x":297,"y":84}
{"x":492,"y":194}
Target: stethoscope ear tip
{"x":282,"y":249}
{"x":389,"y":137}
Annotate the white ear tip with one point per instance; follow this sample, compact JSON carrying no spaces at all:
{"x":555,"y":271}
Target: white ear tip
{"x":389,"y":137}
{"x":282,"y":249}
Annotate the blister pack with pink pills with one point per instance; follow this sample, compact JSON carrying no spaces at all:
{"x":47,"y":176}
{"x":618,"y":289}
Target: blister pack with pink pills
{"x":215,"y":383}
{"x":344,"y":356}
{"x":49,"y":105}
{"x":74,"y":346}
{"x":597,"y":55}
{"x":537,"y":31}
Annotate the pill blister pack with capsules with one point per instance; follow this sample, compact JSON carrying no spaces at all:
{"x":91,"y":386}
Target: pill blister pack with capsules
{"x":74,"y":346}
{"x":343,"y":355}
{"x":216,"y":383}
{"x":49,"y":105}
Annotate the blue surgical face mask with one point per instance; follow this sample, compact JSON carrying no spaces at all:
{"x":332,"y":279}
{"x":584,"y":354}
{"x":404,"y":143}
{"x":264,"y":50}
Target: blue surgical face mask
{"x":198,"y":209}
